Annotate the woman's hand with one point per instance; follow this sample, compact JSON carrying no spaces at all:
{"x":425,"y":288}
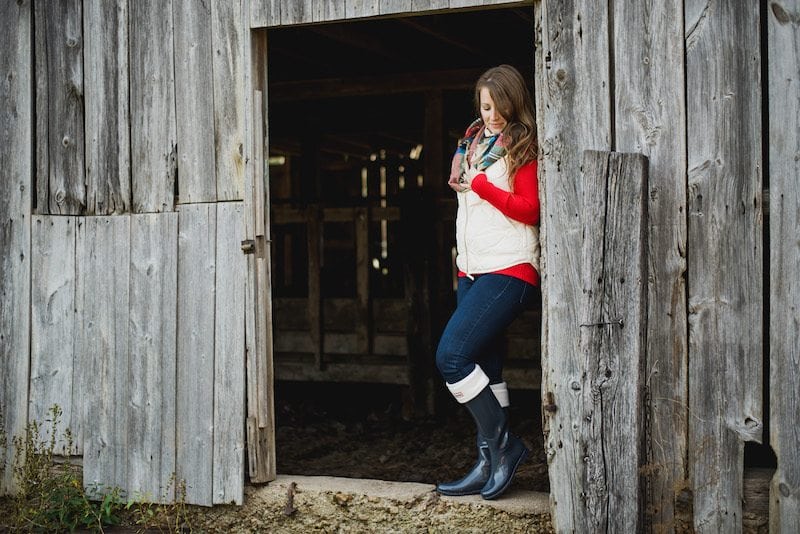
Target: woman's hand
{"x":460,"y":185}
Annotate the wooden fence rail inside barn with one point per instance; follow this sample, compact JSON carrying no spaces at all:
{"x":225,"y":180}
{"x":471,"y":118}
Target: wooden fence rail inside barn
{"x":141,"y":229}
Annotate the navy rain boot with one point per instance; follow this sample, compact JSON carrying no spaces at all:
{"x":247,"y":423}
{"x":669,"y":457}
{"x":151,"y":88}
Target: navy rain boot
{"x":506,"y":451}
{"x":472,"y":483}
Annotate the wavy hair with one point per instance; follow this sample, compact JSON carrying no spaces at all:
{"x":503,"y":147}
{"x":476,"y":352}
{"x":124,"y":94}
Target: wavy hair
{"x":512,"y":99}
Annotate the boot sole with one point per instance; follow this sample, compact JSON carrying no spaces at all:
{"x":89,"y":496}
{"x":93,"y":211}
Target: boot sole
{"x":502,"y":490}
{"x":457,"y":493}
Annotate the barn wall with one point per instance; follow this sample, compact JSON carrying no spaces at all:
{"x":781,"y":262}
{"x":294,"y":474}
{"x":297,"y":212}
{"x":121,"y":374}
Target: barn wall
{"x":138,"y":313}
{"x":16,"y":172}
{"x":684,"y":88}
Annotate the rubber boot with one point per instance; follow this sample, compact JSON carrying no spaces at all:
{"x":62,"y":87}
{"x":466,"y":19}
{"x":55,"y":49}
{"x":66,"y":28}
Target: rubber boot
{"x":506,"y":451}
{"x":472,"y":483}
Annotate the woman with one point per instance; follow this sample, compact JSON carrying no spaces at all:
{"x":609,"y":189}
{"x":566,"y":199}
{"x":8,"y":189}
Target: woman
{"x":494,"y":174}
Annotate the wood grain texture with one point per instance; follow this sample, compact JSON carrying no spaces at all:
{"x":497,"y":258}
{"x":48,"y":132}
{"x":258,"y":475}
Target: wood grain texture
{"x":429,"y":5}
{"x":784,"y":253}
{"x":228,"y":39}
{"x":194,"y":101}
{"x":102,"y":266}
{"x":229,"y":356}
{"x":723,"y":109}
{"x":265,"y":13}
{"x":573,"y":99}
{"x":16,"y":178}
{"x":152,"y":99}
{"x":296,"y":11}
{"x":361,"y":8}
{"x":53,"y":329}
{"x":59,"y":108}
{"x":152,"y":357}
{"x":650,"y":119}
{"x":107,"y":126}
{"x":612,"y":344}
{"x":195,"y":357}
{"x":328,"y":10}
{"x":387,"y":7}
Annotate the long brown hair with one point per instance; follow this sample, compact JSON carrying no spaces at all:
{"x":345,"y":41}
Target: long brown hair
{"x":509,"y":93}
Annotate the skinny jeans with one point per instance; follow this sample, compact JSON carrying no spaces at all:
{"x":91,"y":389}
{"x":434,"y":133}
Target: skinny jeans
{"x":485,"y":307}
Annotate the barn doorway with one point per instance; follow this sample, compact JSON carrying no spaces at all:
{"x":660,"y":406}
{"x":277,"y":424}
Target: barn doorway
{"x":362,"y":119}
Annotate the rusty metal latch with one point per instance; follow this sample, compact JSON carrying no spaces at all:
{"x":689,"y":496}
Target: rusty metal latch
{"x":249,"y":246}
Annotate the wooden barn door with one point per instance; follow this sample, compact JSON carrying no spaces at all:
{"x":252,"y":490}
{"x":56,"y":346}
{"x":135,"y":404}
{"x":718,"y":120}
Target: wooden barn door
{"x":258,"y":329}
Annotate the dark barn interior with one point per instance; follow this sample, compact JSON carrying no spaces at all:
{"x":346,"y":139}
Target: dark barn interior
{"x":363,"y":118}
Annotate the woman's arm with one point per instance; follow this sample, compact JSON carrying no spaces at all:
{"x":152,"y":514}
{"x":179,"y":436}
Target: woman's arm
{"x":522,"y":204}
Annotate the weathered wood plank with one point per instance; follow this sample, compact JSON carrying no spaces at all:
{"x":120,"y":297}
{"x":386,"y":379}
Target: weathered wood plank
{"x":328,"y":10}
{"x":476,"y":3}
{"x":228,"y":39}
{"x":53,"y":328}
{"x":16,"y":178}
{"x":103,"y":267}
{"x":429,"y":5}
{"x":152,"y":99}
{"x":59,"y":108}
{"x":296,"y":11}
{"x":229,"y":356}
{"x":107,"y":127}
{"x":723,"y":104}
{"x":152,"y":356}
{"x":573,"y":95}
{"x":265,"y":13}
{"x":195,"y":360}
{"x":650,"y":119}
{"x":613,"y":322}
{"x":361,"y":8}
{"x":387,"y":7}
{"x":784,"y":293}
{"x":194,"y":102}
{"x":261,"y":421}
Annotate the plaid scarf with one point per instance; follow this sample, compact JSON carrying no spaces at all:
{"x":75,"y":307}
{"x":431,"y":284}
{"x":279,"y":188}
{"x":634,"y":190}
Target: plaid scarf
{"x":473,"y":138}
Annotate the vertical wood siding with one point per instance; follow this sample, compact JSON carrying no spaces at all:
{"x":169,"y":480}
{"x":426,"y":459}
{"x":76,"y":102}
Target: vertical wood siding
{"x":723,"y":100}
{"x":194,"y":101}
{"x":270,"y":13}
{"x":153,"y":113}
{"x":16,"y":178}
{"x":195,"y":405}
{"x":649,"y":113}
{"x":784,"y":290}
{"x":229,"y":41}
{"x":102,"y":266}
{"x":152,"y":412}
{"x":107,"y":126}
{"x":574,"y":91}
{"x":59,"y":107}
{"x":613,"y":321}
{"x":229,"y":356}
{"x":53,"y":327}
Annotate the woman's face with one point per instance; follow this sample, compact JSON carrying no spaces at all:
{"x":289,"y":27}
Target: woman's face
{"x":491,"y":117}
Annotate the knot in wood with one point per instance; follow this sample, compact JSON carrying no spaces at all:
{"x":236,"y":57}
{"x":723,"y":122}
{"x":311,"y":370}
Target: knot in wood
{"x":60,"y":196}
{"x":66,"y":141}
{"x":575,"y":385}
{"x":784,"y":489}
{"x":561,"y":75}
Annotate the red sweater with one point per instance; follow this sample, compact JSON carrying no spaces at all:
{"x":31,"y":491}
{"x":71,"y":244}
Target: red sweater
{"x":522,"y":204}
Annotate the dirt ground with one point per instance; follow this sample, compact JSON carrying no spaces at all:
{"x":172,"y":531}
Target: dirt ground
{"x":358,"y":431}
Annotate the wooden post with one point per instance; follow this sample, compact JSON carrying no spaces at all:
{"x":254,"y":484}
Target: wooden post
{"x":612,"y":314}
{"x":16,"y":177}
{"x":650,"y":118}
{"x":363,"y":313}
{"x":573,"y":103}
{"x":315,"y":311}
{"x":724,"y":254}
{"x":784,"y":291}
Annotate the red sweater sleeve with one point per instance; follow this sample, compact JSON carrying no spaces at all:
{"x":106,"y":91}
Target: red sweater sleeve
{"x":522,"y":204}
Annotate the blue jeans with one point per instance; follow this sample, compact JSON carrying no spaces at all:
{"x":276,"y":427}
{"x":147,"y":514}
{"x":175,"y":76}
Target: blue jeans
{"x":486,"y":306}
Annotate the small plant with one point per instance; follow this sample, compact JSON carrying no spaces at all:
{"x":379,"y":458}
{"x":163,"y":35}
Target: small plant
{"x":50,"y":495}
{"x":51,"y":498}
